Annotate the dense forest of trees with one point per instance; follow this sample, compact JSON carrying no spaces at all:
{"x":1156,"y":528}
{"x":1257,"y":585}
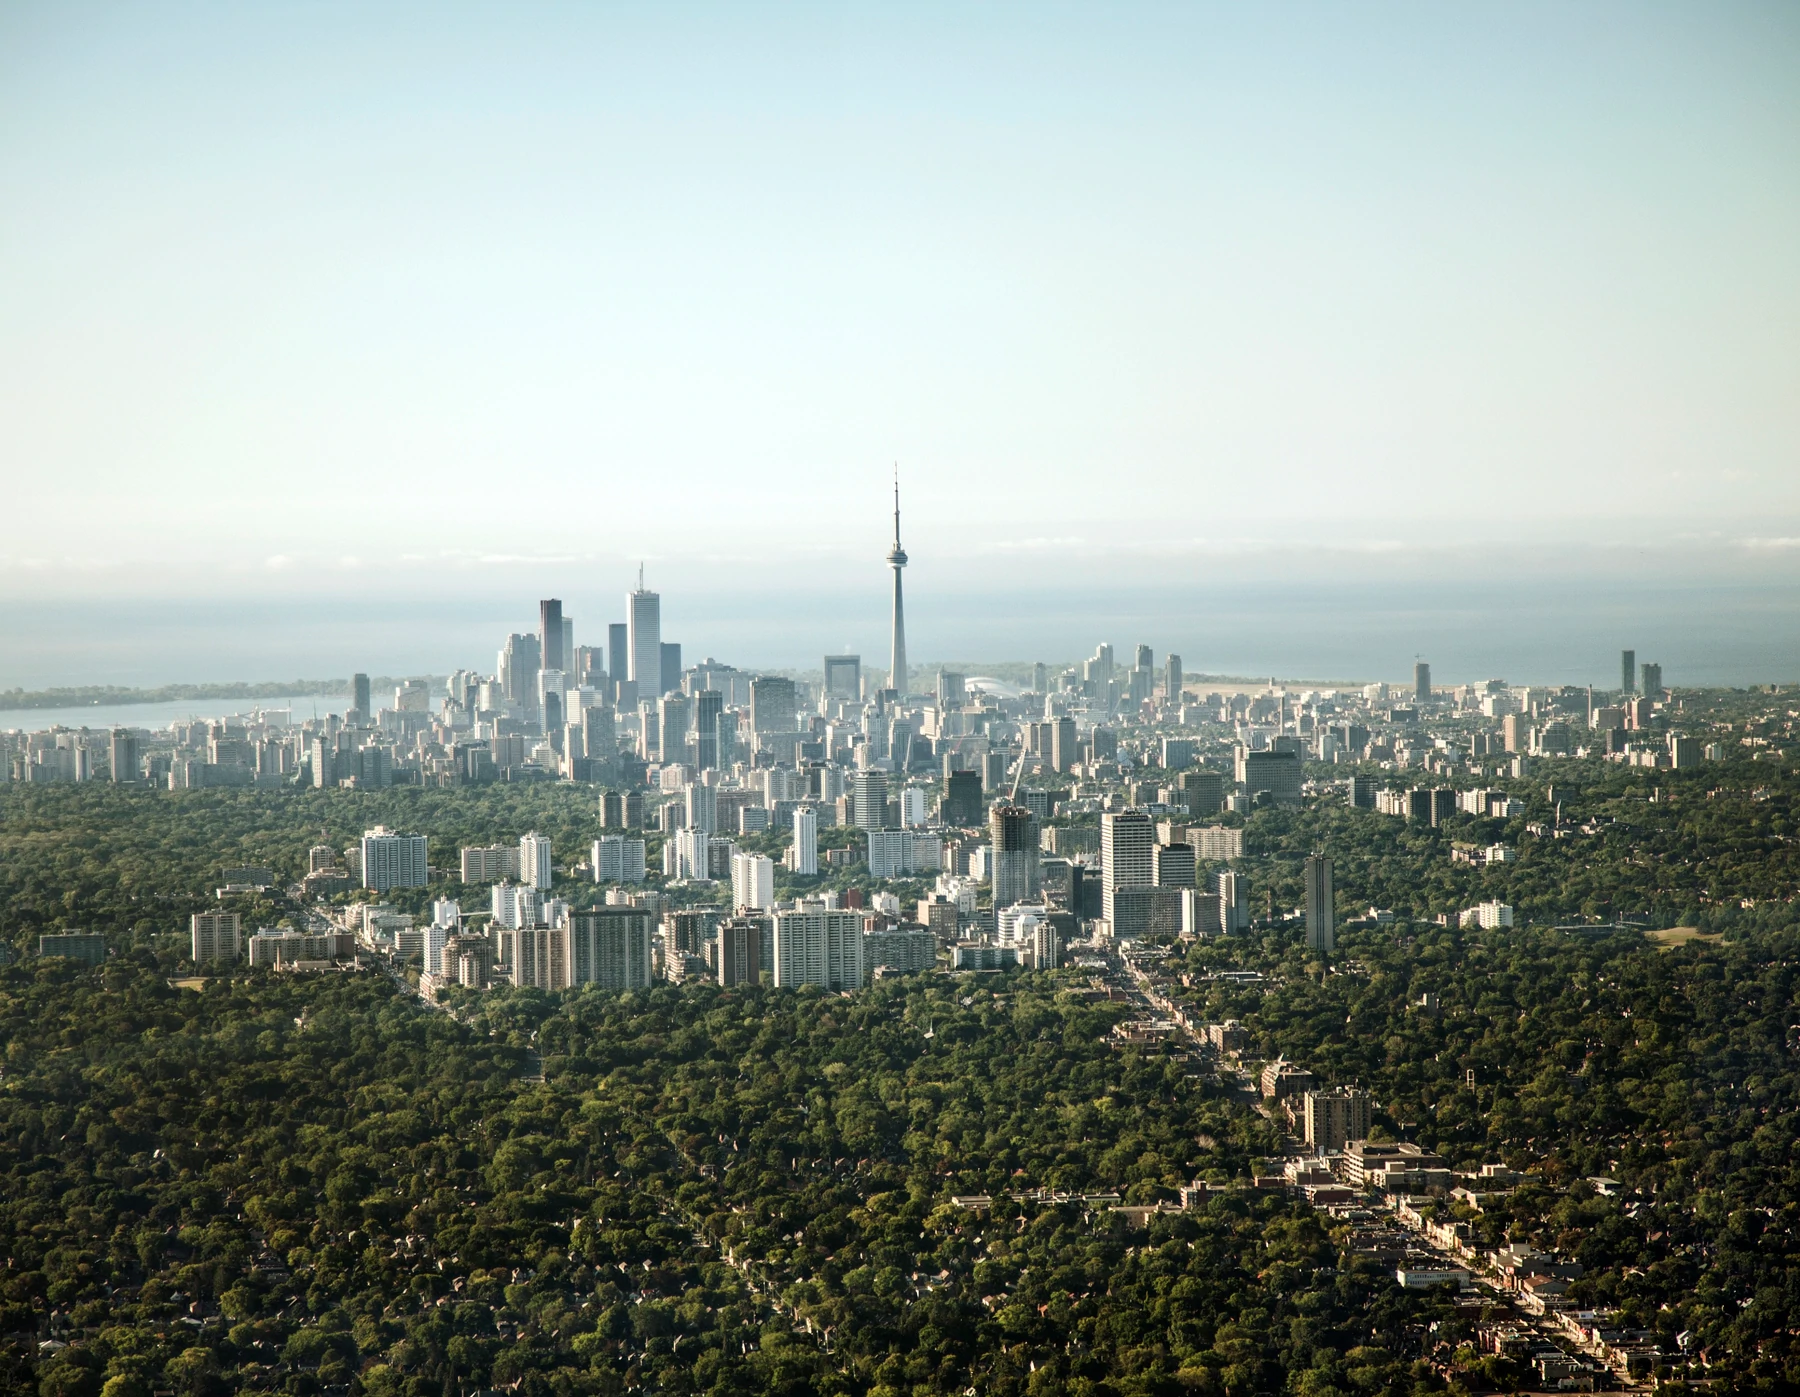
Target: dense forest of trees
{"x":300,"y":1182}
{"x":313,"y":1183}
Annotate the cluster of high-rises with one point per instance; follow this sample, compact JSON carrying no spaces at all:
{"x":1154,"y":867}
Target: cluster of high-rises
{"x":1101,"y":800}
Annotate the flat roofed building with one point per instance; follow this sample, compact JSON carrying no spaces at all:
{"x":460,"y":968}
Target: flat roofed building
{"x":271,"y":948}
{"x":819,"y":947}
{"x":1276,"y":775}
{"x":1332,"y":1119}
{"x":490,"y":863}
{"x":1218,"y":843}
{"x":1127,"y":856}
{"x":752,"y":882}
{"x":217,"y":937}
{"x":88,"y":947}
{"x":617,"y":859}
{"x":537,"y":865}
{"x":611,"y":947}
{"x":1013,"y":836}
{"x":538,"y":955}
{"x":737,"y":951}
{"x":391,"y":860}
{"x":1321,"y":912}
{"x":843,"y":677}
{"x":1174,"y":865}
{"x":907,"y":950}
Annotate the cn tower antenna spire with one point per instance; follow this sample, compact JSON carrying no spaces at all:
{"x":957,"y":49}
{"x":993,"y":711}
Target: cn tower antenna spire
{"x":897,"y":560}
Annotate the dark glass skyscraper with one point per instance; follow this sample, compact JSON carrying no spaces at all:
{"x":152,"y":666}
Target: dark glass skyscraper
{"x":550,"y":634}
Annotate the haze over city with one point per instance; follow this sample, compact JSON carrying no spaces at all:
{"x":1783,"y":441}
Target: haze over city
{"x":1302,"y":341}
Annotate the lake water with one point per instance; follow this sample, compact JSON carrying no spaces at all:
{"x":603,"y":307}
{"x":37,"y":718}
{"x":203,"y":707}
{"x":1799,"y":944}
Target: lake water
{"x":1471,"y":623}
{"x":161,"y":715}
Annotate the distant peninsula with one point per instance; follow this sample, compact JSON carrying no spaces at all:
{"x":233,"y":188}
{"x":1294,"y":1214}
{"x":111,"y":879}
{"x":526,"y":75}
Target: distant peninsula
{"x":96,"y":695}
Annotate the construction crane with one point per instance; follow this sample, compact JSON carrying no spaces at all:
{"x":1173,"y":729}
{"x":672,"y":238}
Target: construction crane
{"x":1018,"y":775}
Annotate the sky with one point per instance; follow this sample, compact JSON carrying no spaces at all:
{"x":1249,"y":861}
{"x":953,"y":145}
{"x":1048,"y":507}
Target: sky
{"x":450,"y":307}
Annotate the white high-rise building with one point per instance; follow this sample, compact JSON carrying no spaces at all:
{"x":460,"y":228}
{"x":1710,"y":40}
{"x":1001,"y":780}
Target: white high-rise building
{"x":516,"y":905}
{"x":868,"y":799}
{"x":686,"y":855}
{"x":535,"y":863}
{"x":618,"y":859}
{"x":804,"y":856}
{"x":702,"y":807}
{"x":446,"y":921}
{"x":217,"y":937}
{"x":643,"y":619}
{"x":897,"y":853}
{"x":1028,"y":928}
{"x":1234,"y":902}
{"x":752,"y":882}
{"x":391,"y":860}
{"x":1127,"y":858}
{"x":818,"y":947}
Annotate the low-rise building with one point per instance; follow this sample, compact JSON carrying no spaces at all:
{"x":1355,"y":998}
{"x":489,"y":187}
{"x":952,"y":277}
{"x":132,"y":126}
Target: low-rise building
{"x":288,"y":949}
{"x":88,"y":947}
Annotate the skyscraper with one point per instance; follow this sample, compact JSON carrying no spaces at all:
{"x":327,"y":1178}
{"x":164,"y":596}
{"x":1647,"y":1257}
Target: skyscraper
{"x":1172,"y":679}
{"x":536,"y":861}
{"x":618,"y":652}
{"x":359,"y":694}
{"x":897,"y":560}
{"x":752,"y":882}
{"x":124,"y":757}
{"x":1628,"y":671}
{"x":643,"y":611}
{"x":672,"y":730}
{"x":1016,"y":875}
{"x":843,"y":676}
{"x":772,"y":704}
{"x":1127,"y":859}
{"x":868,"y":799}
{"x":610,"y":947}
{"x":1234,"y":901}
{"x":550,"y":635}
{"x":1651,"y":676}
{"x":819,"y":948}
{"x":599,"y":739}
{"x":1321,"y":931}
{"x":737,"y":951}
{"x":520,"y":660}
{"x":671,"y":665}
{"x":804,"y":858}
{"x":709,"y":708}
{"x":1422,"y":682}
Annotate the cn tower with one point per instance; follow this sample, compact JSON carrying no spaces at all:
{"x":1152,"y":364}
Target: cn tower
{"x":897,"y":560}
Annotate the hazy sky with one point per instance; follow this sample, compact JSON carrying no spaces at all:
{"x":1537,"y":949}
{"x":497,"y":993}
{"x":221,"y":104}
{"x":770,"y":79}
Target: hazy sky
{"x":490,"y":299}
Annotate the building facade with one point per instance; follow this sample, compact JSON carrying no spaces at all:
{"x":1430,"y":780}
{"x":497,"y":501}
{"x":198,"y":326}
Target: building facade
{"x":391,"y":860}
{"x":217,"y":937}
{"x":819,"y":947}
{"x":611,"y":947}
